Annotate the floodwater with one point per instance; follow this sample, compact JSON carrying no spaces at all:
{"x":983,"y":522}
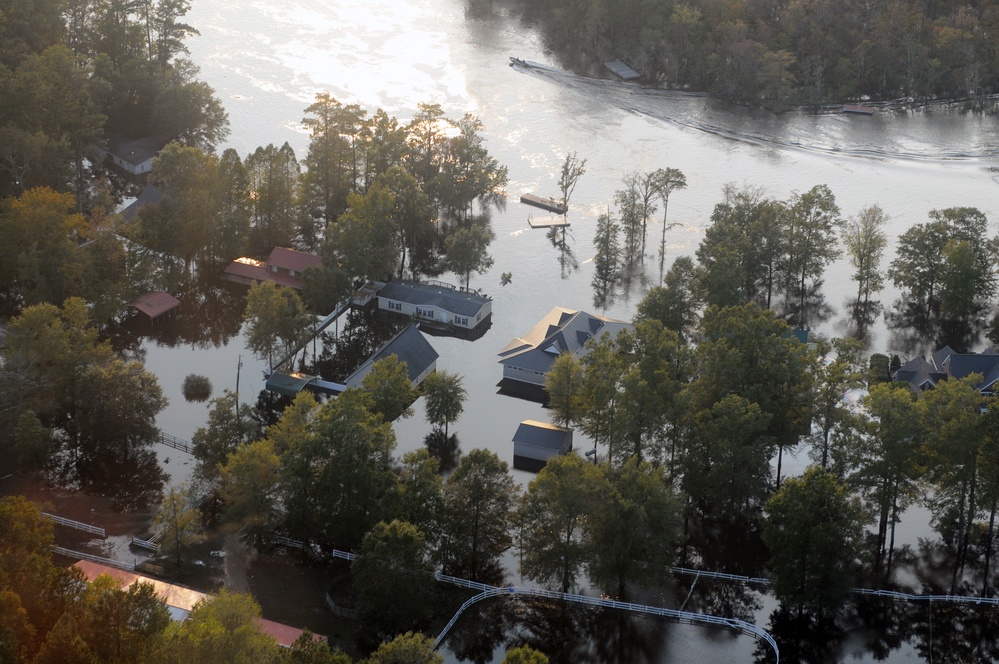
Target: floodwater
{"x":267,"y":60}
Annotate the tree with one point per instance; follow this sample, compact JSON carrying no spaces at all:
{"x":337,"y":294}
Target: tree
{"x":573,"y":168}
{"x":115,"y":425}
{"x":564,"y":387}
{"x":479,"y":497}
{"x":467,"y":251}
{"x":179,"y":521}
{"x":951,"y":418}
{"x":39,"y":258}
{"x":633,"y":212}
{"x":222,"y":628}
{"x":119,"y":624}
{"x":524,"y":655}
{"x":392,"y":394}
{"x":419,"y":494}
{"x":813,"y":222}
{"x":327,"y":178}
{"x":943,"y":268}
{"x":812,"y":529}
{"x":445,"y":397}
{"x":334,"y":480}
{"x":364,"y":243}
{"x":834,"y":378}
{"x":664,"y":182}
{"x":277,"y":320}
{"x":749,"y":352}
{"x":232,"y":227}
{"x":189,"y":180}
{"x":250,"y":487}
{"x":229,"y":426}
{"x":274,"y":178}
{"x":884,"y":460}
{"x":634,"y":529}
{"x":408,"y":648}
{"x":607,"y":262}
{"x":865,"y":242}
{"x":552,"y":517}
{"x":393,"y":556}
{"x":674,"y":304}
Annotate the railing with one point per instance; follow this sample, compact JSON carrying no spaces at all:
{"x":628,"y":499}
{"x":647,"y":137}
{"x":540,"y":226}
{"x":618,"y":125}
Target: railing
{"x":148,"y":544}
{"x":287,"y":541}
{"x":128,"y":567}
{"x":176,"y":443}
{"x":76,"y":525}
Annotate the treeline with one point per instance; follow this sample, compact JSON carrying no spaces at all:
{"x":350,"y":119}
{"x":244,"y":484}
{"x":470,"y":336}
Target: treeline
{"x":780,"y":53}
{"x":775,"y":253}
{"x":52,"y":615}
{"x":73,"y":72}
{"x":376,"y":198}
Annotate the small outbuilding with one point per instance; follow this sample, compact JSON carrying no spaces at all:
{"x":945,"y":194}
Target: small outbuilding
{"x":409,"y":346}
{"x":535,"y":442}
{"x":155,"y":304}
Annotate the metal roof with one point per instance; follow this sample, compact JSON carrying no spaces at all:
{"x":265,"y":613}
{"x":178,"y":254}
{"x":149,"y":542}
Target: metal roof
{"x":155,"y":304}
{"x":292,"y":259}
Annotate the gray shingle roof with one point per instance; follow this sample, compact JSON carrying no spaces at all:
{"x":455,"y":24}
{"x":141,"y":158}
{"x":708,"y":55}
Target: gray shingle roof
{"x":409,"y":346}
{"x":541,"y":434}
{"x":435,"y":295}
{"x":561,"y":331}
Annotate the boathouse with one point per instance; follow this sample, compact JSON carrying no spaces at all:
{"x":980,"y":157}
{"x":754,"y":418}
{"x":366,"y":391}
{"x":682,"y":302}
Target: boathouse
{"x":527,"y":359}
{"x":436,"y":303}
{"x":155,"y":304}
{"x":409,"y":346}
{"x":180,"y":601}
{"x":536,"y":442}
{"x":284,"y":267}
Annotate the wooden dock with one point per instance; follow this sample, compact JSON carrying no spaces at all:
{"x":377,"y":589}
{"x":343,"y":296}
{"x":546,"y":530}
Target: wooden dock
{"x":559,"y":221}
{"x":550,"y":204}
{"x":622,"y":71}
{"x":859,"y":109}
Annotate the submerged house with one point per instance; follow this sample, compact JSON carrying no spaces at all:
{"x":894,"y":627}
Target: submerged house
{"x":536,"y":442}
{"x":132,"y":155}
{"x":409,"y":346}
{"x":436,"y":303}
{"x":944,"y":364}
{"x":284,"y":267}
{"x":527,"y":359}
{"x":149,"y":195}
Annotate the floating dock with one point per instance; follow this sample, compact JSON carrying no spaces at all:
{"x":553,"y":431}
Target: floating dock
{"x":548,"y":222}
{"x":622,"y":71}
{"x":859,"y":110}
{"x":551,"y":203}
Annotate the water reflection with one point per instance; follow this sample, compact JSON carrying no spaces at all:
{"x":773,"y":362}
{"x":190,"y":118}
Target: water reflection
{"x":210,"y":316}
{"x":482,"y":629}
{"x":802,"y":637}
{"x":445,"y":448}
{"x":566,"y":257}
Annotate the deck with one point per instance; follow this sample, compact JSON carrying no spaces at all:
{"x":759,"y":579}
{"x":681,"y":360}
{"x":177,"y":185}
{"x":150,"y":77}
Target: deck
{"x":859,"y":110}
{"x":622,"y":71}
{"x":548,"y":222}
{"x":551,"y":204}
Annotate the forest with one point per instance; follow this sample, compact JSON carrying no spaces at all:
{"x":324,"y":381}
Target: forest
{"x":687,"y":411}
{"x":782,"y":53}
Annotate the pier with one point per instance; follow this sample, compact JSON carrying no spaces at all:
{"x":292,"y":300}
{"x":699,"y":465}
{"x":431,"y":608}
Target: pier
{"x":551,"y":204}
{"x":548,"y":222}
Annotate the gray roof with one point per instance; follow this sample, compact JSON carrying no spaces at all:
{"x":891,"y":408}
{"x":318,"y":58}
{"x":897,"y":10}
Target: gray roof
{"x":134,"y":150}
{"x":438,"y":295}
{"x":409,"y":346}
{"x":561,"y":331}
{"x":542,"y":434}
{"x":150,"y":196}
{"x":962,"y":365}
{"x":3,"y":337}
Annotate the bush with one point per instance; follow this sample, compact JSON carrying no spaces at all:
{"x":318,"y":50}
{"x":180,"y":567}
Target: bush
{"x":197,"y":388}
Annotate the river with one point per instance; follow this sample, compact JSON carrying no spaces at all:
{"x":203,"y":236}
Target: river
{"x":267,"y":60}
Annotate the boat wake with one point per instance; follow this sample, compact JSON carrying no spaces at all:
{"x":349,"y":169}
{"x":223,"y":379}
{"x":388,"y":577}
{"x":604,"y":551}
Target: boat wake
{"x":950,"y":137}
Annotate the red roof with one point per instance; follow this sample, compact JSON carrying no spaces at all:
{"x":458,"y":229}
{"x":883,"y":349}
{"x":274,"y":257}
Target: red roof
{"x":292,"y":259}
{"x":185,"y":598}
{"x":155,"y":304}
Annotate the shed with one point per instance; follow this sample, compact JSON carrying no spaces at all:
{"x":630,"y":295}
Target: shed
{"x":535,"y":442}
{"x":155,"y":304}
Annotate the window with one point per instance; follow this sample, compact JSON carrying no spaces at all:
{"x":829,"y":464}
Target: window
{"x":395,"y":306}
